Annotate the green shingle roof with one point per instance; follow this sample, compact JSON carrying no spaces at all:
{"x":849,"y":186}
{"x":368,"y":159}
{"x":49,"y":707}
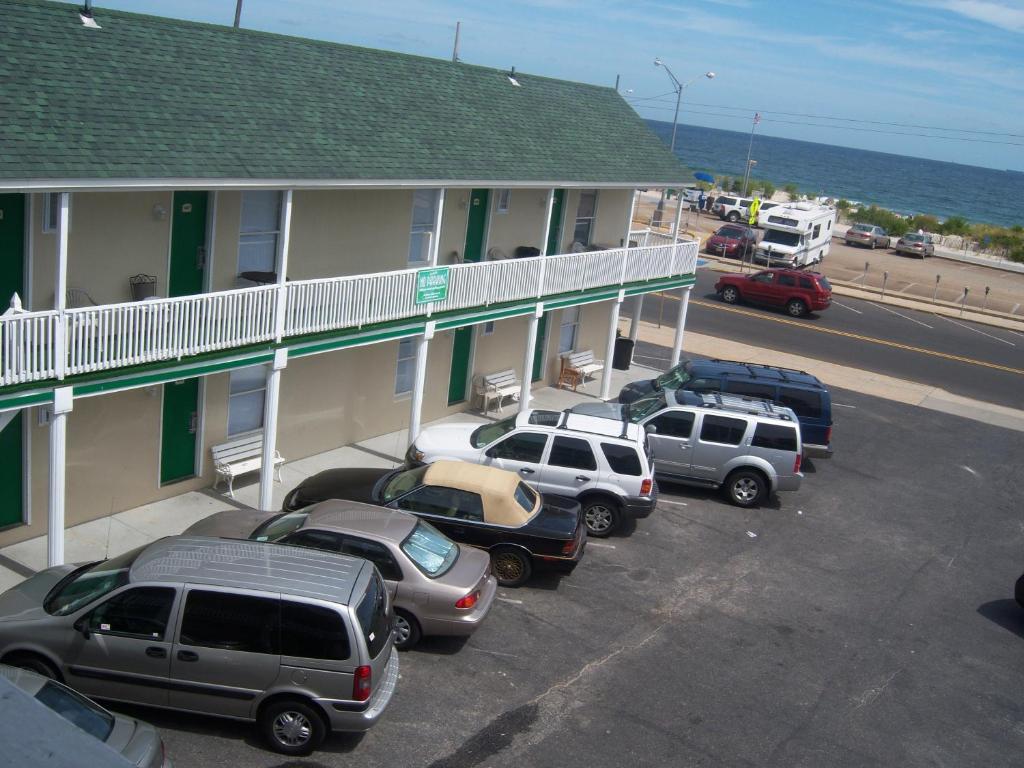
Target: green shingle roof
{"x":153,"y":98}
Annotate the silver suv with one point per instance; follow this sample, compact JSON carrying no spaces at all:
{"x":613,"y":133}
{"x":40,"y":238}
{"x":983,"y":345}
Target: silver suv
{"x":602,"y":464}
{"x":296,"y":639}
{"x":749,"y":448}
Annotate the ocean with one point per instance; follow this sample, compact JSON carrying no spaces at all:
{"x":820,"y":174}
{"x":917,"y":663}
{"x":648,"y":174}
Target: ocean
{"x":903,"y":184}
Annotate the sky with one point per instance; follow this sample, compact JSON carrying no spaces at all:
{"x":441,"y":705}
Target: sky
{"x":949,"y":72}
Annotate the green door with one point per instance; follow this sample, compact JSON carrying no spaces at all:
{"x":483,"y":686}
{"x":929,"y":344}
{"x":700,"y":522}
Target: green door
{"x":178,"y":440}
{"x":12,"y":280}
{"x":462,"y":345}
{"x":555,"y":229}
{"x":188,"y":243}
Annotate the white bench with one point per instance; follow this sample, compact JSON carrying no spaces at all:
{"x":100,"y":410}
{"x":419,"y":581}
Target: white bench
{"x":498,"y":386}
{"x":240,"y":456}
{"x":582,"y":364}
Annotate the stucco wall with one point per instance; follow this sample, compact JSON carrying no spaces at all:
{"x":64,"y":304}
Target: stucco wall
{"x":523,"y":224}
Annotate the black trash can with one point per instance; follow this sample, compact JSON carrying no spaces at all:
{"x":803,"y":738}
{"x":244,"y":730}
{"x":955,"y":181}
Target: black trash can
{"x":623,"y":353}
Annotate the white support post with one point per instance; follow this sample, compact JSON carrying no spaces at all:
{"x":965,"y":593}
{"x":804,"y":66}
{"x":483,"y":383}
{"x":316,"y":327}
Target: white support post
{"x":613,"y":327}
{"x":60,"y":290}
{"x":677,"y":342}
{"x":282,"y":266}
{"x":435,"y":239}
{"x":549,"y":207}
{"x":416,"y":410}
{"x":634,"y":323}
{"x":531,"y":350}
{"x":270,"y":408}
{"x":679,"y":215}
{"x":63,"y":402}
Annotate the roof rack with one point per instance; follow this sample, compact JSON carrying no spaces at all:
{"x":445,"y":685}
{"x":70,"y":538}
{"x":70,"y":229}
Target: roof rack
{"x":759,"y":365}
{"x":739,"y":404}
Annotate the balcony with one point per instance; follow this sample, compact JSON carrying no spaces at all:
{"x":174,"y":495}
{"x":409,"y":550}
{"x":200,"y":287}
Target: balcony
{"x":52,"y":345}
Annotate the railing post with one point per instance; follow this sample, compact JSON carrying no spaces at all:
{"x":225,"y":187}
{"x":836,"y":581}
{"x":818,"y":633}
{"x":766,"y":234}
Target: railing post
{"x":63,"y":402}
{"x":270,"y":408}
{"x":282,"y":269}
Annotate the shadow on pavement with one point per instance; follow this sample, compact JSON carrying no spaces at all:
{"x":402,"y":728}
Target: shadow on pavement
{"x":1006,"y":613}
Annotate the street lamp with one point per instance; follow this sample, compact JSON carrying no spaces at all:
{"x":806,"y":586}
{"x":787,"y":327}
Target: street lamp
{"x":679,"y":87}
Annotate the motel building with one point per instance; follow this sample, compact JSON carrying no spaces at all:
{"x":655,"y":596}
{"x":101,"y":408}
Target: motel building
{"x":212,"y":236}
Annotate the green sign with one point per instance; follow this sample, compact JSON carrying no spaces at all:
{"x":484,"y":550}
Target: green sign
{"x":431,"y":285}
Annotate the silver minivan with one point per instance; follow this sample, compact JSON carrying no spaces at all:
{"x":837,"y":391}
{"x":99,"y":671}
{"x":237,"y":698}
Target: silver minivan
{"x":298,"y":640}
{"x":749,"y":448}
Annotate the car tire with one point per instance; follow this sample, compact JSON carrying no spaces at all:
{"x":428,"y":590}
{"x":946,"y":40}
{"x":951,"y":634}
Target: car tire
{"x":407,"y":630}
{"x":796,"y":307}
{"x":730,"y":295}
{"x":602,"y":517}
{"x":292,"y":727}
{"x":733,"y":217}
{"x":873,"y":244}
{"x":510,"y":566}
{"x":745,"y":487}
{"x":34,"y":663}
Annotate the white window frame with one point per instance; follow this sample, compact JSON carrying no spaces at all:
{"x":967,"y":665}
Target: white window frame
{"x":408,"y":359}
{"x":51,"y":212}
{"x":591,"y":220}
{"x":502,"y":200}
{"x":232,"y":396}
{"x":574,"y":323}
{"x":243,"y":236}
{"x":418,"y":232}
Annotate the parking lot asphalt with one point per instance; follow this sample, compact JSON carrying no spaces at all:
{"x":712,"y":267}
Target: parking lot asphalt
{"x":866,"y":619}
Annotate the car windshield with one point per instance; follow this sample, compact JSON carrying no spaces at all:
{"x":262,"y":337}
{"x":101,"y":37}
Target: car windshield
{"x":640,"y":409}
{"x":77,"y":710}
{"x":430,"y":550}
{"x":824,"y":283}
{"x":730,"y":232}
{"x":276,"y":527}
{"x":488,"y":433}
{"x":913,"y":237}
{"x":673,"y":378}
{"x":777,"y":237}
{"x":89,"y":583}
{"x":861,"y":227}
{"x":403,"y":482}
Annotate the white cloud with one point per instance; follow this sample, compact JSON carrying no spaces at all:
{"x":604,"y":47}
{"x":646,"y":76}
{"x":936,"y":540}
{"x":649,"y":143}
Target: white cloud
{"x":997,"y":14}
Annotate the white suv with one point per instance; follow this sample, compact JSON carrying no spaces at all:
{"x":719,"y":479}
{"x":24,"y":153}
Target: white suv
{"x":600,"y":462}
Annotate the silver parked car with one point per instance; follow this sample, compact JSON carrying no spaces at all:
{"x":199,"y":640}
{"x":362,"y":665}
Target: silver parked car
{"x":867,"y":234}
{"x":297,"y":640}
{"x":136,"y":741}
{"x":916,"y":244}
{"x":436,"y":586}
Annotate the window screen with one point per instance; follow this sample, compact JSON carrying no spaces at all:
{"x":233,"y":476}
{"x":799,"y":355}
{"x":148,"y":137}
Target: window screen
{"x":260,"y":227}
{"x":622,"y":459}
{"x":231,"y":622}
{"x":405,"y":369}
{"x":776,"y":436}
{"x":805,"y":403}
{"x":313,"y":632}
{"x":248,"y":389}
{"x":572,"y":452}
{"x":722,"y":429}
{"x":526,"y":446}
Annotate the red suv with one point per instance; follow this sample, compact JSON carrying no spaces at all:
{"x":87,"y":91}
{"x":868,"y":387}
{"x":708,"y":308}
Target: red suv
{"x":797,"y":290}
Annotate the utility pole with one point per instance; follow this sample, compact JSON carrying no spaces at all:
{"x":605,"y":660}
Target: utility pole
{"x":455,"y":50}
{"x":750,"y":146}
{"x":238,"y":13}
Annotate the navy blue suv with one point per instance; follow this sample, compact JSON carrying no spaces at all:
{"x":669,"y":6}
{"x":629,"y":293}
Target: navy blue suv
{"x":801,"y":391}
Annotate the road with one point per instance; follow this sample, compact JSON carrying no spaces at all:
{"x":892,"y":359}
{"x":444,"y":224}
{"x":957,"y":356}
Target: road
{"x":967,"y":359}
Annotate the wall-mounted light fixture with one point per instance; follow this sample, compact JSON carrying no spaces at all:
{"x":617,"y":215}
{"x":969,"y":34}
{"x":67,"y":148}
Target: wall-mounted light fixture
{"x":159,"y":212}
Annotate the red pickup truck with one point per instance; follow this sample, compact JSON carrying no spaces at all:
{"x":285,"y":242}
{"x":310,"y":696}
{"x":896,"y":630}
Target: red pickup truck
{"x":799,"y":291}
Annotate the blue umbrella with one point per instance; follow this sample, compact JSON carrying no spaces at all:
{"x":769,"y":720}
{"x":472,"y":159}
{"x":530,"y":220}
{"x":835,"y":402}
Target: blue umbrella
{"x":701,"y":176}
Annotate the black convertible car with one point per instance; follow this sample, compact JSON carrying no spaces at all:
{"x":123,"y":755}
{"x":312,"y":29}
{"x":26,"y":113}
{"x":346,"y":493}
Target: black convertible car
{"x":481,"y":506}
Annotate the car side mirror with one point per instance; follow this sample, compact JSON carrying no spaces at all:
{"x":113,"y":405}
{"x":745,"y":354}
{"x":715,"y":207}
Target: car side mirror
{"x":650,"y":429}
{"x":82,"y":625}
{"x":490,"y":453}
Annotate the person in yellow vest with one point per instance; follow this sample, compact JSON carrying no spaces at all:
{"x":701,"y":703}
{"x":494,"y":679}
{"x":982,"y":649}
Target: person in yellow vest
{"x":755,"y":206}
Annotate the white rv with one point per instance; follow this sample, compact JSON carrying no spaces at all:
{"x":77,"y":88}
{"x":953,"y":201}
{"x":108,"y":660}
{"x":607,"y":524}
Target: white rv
{"x":795,"y":234}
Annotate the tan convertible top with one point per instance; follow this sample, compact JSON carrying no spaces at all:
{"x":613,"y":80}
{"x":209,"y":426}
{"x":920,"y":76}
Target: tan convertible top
{"x":496,"y":488}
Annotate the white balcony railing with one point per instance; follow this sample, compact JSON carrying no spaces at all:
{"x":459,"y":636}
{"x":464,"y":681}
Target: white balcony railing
{"x":118,"y":335}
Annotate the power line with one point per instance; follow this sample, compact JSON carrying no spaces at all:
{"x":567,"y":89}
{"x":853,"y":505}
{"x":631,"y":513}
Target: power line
{"x":843,"y":119}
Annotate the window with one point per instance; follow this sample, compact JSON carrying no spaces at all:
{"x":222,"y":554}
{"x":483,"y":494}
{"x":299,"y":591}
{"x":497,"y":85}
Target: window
{"x":487,"y":328}
{"x":751,"y":389}
{"x":433,"y":500}
{"x":88,"y":583}
{"x":76,"y":709}
{"x":722,"y":429}
{"x":622,"y":459}
{"x":807,"y":283}
{"x":232,"y":622}
{"x":674,"y":424}
{"x":805,"y":403}
{"x":817,"y":232}
{"x":280,"y":526}
{"x":567,"y":331}
{"x":245,"y":401}
{"x":527,"y":446}
{"x":329,"y":542}
{"x":424,"y":213}
{"x":526,"y":497}
{"x":142,"y":611}
{"x":313,"y":632}
{"x":488,"y":433}
{"x":763,"y":277}
{"x":787,"y":280}
{"x":503,"y":200}
{"x":51,"y":211}
{"x":775,"y":436}
{"x":376,"y":553}
{"x":704,"y":385}
{"x":572,"y":452}
{"x":545,"y":418}
{"x":261,"y":223}
{"x":373,"y":617}
{"x":585,"y":214}
{"x":403,"y":482}
{"x":430,"y":550}
{"x":405,"y":370}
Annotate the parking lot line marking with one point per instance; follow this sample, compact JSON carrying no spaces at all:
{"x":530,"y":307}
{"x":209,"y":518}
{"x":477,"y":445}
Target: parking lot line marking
{"x":838,"y":304}
{"x":843,"y":405}
{"x":599,"y":544}
{"x":669,"y":501}
{"x":1015,"y":308}
{"x":510,"y":600}
{"x":907,"y":287}
{"x":962,"y":325}
{"x":900,"y":314}
{"x":861,"y":337}
{"x":496,"y":653}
